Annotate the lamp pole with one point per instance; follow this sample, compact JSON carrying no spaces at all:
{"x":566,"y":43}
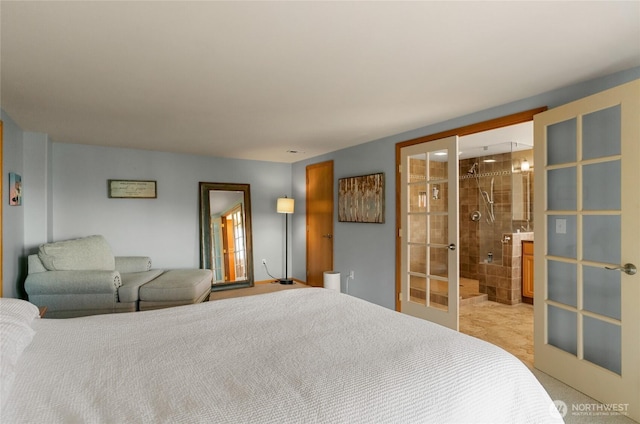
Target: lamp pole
{"x":285,"y":206}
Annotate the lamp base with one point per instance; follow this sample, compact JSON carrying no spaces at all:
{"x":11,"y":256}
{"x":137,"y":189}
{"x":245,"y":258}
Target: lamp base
{"x":286,"y":281}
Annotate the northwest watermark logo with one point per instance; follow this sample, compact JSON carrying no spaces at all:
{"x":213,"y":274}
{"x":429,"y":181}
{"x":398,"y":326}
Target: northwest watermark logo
{"x":559,"y":407}
{"x":588,"y":409}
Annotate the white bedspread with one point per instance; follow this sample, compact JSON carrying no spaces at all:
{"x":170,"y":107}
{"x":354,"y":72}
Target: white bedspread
{"x":295,"y":356}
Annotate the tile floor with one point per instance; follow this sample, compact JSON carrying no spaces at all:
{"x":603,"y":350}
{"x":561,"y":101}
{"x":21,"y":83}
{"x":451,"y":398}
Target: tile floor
{"x":508,"y":326}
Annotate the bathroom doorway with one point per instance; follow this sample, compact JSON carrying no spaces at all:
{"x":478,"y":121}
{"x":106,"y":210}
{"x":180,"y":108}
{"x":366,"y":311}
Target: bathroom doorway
{"x":496,"y":216}
{"x":406,"y":270}
{"x":496,"y":208}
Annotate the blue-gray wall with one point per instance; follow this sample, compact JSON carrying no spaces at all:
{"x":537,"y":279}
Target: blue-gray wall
{"x":369,"y":249}
{"x":167,"y":228}
{"x":65,"y":196}
{"x":68,"y":198}
{"x":12,"y":216}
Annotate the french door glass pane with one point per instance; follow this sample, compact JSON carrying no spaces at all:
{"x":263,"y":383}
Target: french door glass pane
{"x":602,"y":291}
{"x":561,"y":189}
{"x":601,"y":239}
{"x":438,"y":229}
{"x":418,"y":259}
{"x":417,"y":170}
{"x":439,"y":294}
{"x":417,"y":228}
{"x":438,"y":169}
{"x":602,"y":344}
{"x":561,"y":235}
{"x":562,"y":282}
{"x":561,"y":142}
{"x":417,"y":289}
{"x":562,"y":329}
{"x":601,"y":186}
{"x":601,"y":133}
{"x":418,"y":197}
{"x":439,"y":262}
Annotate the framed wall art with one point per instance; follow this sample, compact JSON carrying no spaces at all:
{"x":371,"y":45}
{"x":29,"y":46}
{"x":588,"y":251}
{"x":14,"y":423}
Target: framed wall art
{"x":132,"y":189}
{"x":361,"y":199}
{"x":15,"y":189}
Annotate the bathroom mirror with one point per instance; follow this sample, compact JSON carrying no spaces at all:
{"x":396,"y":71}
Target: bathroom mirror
{"x":225,"y":234}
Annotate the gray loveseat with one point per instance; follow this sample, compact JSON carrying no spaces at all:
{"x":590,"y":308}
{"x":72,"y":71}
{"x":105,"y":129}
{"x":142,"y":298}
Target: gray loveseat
{"x":82,"y":277}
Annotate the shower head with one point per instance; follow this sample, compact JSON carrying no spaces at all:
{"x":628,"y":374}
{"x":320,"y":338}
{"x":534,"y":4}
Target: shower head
{"x":473,"y":169}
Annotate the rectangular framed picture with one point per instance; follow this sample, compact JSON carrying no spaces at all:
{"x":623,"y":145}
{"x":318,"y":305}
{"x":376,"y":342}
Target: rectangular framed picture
{"x":15,"y":189}
{"x":361,"y":199}
{"x":132,"y":189}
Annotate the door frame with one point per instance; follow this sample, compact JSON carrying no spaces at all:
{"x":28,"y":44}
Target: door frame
{"x":492,"y":124}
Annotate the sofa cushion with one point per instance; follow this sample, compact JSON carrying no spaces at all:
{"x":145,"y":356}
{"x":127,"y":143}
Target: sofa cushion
{"x":131,"y":282}
{"x":88,"y":253}
{"x":177,"y":285}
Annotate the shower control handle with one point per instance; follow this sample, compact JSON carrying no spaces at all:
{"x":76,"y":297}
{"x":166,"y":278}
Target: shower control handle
{"x":629,"y":269}
{"x":452,"y":246}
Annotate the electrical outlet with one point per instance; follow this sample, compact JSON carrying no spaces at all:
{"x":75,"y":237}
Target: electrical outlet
{"x":264,"y":262}
{"x":351,"y":275}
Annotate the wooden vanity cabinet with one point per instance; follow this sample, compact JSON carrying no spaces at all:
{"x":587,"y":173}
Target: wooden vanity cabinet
{"x":527,"y":271}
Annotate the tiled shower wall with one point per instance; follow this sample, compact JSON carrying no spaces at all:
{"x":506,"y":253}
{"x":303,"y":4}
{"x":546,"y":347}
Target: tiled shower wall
{"x":512,"y":212}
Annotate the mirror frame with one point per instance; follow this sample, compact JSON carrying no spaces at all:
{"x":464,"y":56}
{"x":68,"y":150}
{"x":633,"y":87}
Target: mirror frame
{"x":205,"y":231}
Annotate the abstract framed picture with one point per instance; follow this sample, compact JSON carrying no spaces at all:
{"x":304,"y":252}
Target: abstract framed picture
{"x":15,"y":189}
{"x":361,"y":199}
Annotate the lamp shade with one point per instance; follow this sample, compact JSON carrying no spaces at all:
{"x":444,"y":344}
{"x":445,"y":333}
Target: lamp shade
{"x":524,"y":166}
{"x":285,"y":205}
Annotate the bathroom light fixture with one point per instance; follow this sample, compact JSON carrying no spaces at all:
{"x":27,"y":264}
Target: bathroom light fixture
{"x":524,"y":165}
{"x":285,"y":206}
{"x":489,"y":160}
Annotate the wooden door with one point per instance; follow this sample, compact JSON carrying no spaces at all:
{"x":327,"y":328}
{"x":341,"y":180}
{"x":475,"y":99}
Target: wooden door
{"x":319,"y":221}
{"x":587,"y":291}
{"x":228,"y":243}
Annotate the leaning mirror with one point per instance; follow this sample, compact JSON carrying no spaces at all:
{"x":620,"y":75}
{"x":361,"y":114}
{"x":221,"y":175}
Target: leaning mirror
{"x":225,"y":234}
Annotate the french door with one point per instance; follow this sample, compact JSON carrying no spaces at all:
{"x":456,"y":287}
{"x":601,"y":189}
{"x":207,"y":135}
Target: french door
{"x":587,"y":240}
{"x":429,"y":231}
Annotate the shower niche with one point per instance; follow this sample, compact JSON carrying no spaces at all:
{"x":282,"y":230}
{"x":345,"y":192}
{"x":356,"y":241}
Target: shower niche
{"x":496,"y":214}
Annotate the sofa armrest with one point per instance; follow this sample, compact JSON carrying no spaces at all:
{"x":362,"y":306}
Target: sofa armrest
{"x":133,"y":263}
{"x":72,"y":282}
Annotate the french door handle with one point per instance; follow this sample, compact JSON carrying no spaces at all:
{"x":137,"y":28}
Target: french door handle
{"x":452,"y":246}
{"x":629,"y":269}
{"x":329,"y":236}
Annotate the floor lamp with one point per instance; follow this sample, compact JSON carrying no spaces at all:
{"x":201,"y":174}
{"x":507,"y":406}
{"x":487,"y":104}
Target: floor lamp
{"x":285,"y":206}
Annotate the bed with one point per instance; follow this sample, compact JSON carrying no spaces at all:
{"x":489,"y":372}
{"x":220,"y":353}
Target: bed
{"x":293,"y":356}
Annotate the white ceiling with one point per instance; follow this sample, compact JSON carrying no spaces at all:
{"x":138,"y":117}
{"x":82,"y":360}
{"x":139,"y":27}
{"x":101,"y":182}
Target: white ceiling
{"x":253,"y":80}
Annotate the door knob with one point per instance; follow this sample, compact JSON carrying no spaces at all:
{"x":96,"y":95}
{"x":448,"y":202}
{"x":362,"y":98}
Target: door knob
{"x":629,"y":269}
{"x":452,"y":246}
{"x":329,"y":236}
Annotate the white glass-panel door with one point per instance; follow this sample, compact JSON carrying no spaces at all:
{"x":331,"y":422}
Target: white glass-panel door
{"x":429,"y":231}
{"x":587,"y":296}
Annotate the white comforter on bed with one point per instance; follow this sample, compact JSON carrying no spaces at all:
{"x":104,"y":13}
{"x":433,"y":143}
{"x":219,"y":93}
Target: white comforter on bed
{"x":295,"y":356}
